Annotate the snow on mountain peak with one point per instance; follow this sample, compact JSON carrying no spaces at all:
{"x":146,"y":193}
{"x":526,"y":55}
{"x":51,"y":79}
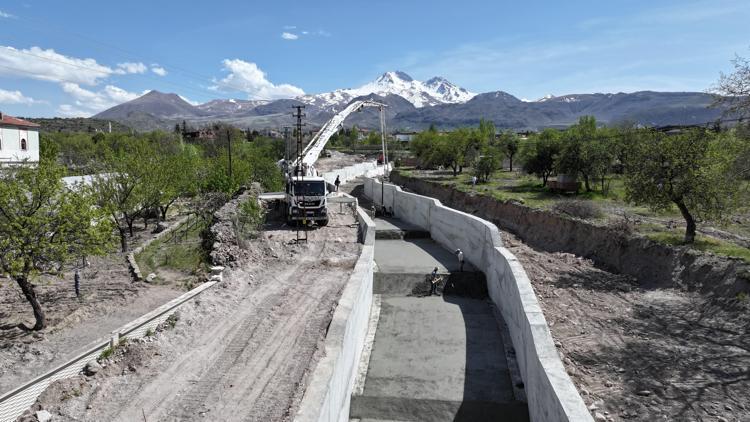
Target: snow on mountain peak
{"x":436,"y":90}
{"x":545,"y":98}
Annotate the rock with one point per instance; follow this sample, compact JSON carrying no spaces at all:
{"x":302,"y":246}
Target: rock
{"x":722,"y":419}
{"x":43,"y":416}
{"x":644,"y":393}
{"x":593,"y":407}
{"x":92,"y":368}
{"x":150,"y":278}
{"x":599,"y":417}
{"x":608,"y":383}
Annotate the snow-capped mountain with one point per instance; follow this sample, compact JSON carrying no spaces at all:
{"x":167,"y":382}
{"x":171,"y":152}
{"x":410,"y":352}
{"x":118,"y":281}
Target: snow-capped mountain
{"x":231,"y":106}
{"x":545,"y":98}
{"x":434,"y":91}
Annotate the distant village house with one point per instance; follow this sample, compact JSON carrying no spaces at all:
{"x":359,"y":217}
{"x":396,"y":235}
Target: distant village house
{"x":19,"y":141}
{"x":404,"y":136}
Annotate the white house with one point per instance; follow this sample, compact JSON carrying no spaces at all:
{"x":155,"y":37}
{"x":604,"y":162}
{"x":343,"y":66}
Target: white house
{"x":404,"y":136}
{"x":19,"y":140}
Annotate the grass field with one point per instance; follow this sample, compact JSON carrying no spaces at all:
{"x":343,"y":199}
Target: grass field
{"x":177,"y":258}
{"x":661,"y":226}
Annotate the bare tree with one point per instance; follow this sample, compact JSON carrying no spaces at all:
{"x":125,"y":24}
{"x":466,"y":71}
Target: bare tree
{"x":733,"y":90}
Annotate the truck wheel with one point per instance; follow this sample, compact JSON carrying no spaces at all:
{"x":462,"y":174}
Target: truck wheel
{"x":323,"y":222}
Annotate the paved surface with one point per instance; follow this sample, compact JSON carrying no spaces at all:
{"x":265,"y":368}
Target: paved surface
{"x":415,"y":256}
{"x":436,"y":358}
{"x":388,"y":224}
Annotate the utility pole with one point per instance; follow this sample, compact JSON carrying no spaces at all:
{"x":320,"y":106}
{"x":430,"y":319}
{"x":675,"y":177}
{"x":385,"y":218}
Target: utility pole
{"x":299,"y":170}
{"x":287,"y":147}
{"x":229,"y":150}
{"x":385,"y":157}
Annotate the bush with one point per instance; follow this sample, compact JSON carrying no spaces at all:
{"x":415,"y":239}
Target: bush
{"x":577,"y":208}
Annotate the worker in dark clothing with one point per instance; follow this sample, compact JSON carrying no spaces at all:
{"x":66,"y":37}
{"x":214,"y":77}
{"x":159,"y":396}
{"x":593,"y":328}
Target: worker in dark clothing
{"x":77,"y":283}
{"x":434,"y":281}
{"x":337,"y":183}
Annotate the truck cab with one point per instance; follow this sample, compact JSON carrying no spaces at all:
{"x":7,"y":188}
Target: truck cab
{"x":306,"y":199}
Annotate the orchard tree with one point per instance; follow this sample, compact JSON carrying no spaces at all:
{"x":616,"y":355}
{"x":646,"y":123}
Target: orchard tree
{"x":120,"y":187}
{"x":694,"y":171}
{"x":44,"y":225}
{"x":540,"y":155}
{"x":509,"y":144}
{"x":448,"y":151}
{"x":733,"y":90}
{"x":485,"y":165}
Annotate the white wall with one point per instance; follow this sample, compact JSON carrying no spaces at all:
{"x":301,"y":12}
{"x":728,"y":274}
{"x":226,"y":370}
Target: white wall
{"x":329,"y":392}
{"x":10,"y":144}
{"x":550,"y":392}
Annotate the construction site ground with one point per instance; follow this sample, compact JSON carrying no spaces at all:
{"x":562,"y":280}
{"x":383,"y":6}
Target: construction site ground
{"x":338,"y":160}
{"x":642,"y":354}
{"x":109,"y":299}
{"x":242,"y":350}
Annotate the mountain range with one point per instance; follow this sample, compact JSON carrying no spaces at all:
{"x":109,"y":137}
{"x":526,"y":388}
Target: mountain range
{"x":415,"y":105}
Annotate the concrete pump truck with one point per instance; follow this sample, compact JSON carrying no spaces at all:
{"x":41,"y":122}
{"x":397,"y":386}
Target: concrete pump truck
{"x":306,"y":191}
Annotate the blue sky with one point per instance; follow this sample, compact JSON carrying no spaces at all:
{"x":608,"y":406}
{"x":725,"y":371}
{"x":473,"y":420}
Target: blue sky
{"x":79,"y":57}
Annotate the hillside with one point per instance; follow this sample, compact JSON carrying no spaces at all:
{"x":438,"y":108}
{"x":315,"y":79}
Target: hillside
{"x":415,"y":105}
{"x":77,"y":124}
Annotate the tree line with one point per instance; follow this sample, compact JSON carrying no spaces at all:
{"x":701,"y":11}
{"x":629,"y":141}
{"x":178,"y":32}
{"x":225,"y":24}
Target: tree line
{"x":46,"y":224}
{"x":701,"y":172}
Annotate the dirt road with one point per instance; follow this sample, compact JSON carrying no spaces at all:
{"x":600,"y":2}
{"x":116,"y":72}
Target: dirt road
{"x":242,"y":351}
{"x":642,"y":354}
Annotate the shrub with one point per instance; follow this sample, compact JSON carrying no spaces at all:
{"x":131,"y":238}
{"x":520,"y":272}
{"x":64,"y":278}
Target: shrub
{"x":577,"y":208}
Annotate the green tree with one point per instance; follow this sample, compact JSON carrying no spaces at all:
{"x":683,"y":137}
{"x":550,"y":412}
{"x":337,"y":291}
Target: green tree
{"x":485,"y":165}
{"x":694,"y":171}
{"x":575,"y":156}
{"x":121,"y":189}
{"x":44,"y":225}
{"x":509,"y":143}
{"x":540,"y":155}
{"x":487,"y":130}
{"x":447,"y":151}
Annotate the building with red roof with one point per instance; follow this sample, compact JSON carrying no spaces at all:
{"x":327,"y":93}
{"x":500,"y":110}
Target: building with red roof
{"x":19,"y":140}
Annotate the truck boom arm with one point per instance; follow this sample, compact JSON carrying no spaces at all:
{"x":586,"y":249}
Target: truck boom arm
{"x":313,"y":150}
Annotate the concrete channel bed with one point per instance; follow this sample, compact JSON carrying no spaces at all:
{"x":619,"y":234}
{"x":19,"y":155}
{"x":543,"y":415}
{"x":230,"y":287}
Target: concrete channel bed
{"x":550,"y":393}
{"x":436,"y":358}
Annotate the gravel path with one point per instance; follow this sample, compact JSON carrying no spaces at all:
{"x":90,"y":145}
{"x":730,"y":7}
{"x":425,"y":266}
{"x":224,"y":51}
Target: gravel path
{"x":244,"y":349}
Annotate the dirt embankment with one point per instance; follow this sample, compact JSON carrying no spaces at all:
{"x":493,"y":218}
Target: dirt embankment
{"x":653,"y":264}
{"x":643,"y":354}
{"x":242,"y":350}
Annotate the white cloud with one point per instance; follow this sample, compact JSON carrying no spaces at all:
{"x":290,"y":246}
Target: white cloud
{"x":16,"y":97}
{"x":248,"y":78}
{"x":6,"y":15}
{"x":128,"y":67}
{"x":96,"y":101}
{"x":289,"y":36}
{"x":48,"y":65}
{"x":290,"y":27}
{"x":159,"y":70}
